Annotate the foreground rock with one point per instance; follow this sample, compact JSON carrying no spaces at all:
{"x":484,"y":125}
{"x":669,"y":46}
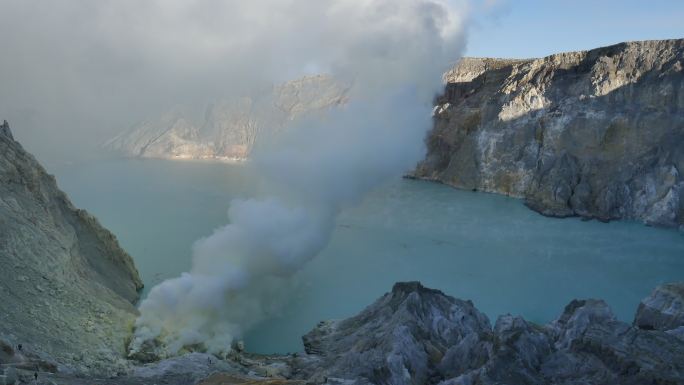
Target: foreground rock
{"x":66,"y":287}
{"x":663,"y":310}
{"x":597,"y":134}
{"x":410,"y":335}
{"x":230,"y":127}
{"x":415,"y":335}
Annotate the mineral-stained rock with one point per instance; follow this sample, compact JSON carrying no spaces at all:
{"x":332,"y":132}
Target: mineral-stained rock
{"x":190,"y":367}
{"x":663,"y":309}
{"x":66,"y":287}
{"x":598,"y":133}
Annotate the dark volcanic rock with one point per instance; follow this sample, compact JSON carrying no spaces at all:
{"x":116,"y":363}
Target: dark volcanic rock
{"x":415,"y":335}
{"x":408,"y":336}
{"x":663,"y":309}
{"x":599,"y":133}
{"x":592,"y":347}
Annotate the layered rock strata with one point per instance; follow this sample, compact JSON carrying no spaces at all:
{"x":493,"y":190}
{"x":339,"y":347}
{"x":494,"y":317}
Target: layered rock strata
{"x":67,"y":289}
{"x":597,"y":134}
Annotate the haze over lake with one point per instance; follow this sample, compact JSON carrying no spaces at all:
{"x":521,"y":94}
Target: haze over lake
{"x":487,"y":248}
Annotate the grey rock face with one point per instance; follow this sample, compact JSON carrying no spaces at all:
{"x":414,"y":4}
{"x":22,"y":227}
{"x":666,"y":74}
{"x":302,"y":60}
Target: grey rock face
{"x":66,"y":286}
{"x":598,"y":134}
{"x":415,"y":335}
{"x":10,"y":377}
{"x":5,"y":130}
{"x":663,"y":309}
{"x":406,"y":337}
{"x":231,"y":127}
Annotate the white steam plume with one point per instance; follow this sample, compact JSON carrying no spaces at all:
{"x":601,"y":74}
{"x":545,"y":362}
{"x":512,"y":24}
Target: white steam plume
{"x":393,"y":52}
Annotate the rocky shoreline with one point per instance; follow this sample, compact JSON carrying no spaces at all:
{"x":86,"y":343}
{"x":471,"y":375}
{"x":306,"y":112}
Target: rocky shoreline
{"x":597,"y":134}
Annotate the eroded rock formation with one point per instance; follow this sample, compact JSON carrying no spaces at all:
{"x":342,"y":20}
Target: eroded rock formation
{"x":414,"y":335}
{"x":598,"y":134}
{"x":67,"y":288}
{"x":663,"y":310}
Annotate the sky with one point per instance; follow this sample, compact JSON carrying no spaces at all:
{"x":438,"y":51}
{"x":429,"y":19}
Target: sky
{"x":537,"y":28}
{"x":87,"y":70}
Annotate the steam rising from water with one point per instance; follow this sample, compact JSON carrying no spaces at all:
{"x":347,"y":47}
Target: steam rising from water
{"x":393,"y":52}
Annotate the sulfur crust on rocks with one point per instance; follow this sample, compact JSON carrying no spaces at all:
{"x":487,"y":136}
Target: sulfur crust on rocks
{"x":67,"y":289}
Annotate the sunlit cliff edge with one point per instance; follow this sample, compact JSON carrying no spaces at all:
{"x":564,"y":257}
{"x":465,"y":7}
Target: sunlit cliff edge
{"x":597,"y":134}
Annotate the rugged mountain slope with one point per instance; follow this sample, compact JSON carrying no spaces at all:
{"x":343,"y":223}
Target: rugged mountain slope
{"x":415,"y":335}
{"x":230,"y":127}
{"x":599,"y":133}
{"x":66,"y":287}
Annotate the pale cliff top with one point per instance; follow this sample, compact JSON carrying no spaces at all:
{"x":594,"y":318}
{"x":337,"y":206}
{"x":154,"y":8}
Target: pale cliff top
{"x":468,"y":68}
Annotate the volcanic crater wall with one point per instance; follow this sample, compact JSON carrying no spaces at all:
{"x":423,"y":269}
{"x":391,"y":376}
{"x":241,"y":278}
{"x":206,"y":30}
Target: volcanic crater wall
{"x":597,"y":134}
{"x":67,"y":289}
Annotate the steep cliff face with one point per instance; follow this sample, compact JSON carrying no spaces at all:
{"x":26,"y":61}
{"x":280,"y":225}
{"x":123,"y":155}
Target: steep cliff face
{"x":66,"y":287}
{"x":230,"y":127}
{"x":599,"y":133}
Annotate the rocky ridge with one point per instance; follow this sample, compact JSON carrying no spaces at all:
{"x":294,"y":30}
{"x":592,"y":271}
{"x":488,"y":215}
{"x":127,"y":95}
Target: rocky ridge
{"x":230,"y":127}
{"x":67,"y":289}
{"x":416,"y":335}
{"x":597,"y":134}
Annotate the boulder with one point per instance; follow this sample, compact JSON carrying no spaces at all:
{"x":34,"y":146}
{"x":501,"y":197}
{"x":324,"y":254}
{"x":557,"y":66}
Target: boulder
{"x":663,"y":309}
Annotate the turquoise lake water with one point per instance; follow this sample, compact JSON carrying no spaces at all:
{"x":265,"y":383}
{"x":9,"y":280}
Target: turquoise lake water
{"x":487,"y":248}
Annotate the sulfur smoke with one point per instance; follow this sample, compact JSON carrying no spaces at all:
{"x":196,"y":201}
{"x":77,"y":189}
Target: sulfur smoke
{"x":392,"y":54}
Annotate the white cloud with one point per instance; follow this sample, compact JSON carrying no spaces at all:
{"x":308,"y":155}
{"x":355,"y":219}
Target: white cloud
{"x":393,"y":52}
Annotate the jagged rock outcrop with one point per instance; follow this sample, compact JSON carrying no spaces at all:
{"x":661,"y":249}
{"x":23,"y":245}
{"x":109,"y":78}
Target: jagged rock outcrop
{"x":663,"y":310}
{"x":67,"y":288}
{"x":415,"y":335}
{"x":230,"y":127}
{"x":408,"y":336}
{"x":597,"y":134}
